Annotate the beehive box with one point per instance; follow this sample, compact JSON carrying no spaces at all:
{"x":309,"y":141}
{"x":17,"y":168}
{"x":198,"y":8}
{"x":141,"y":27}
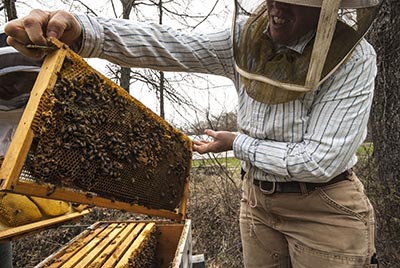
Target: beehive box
{"x":141,"y":244}
{"x":84,"y":139}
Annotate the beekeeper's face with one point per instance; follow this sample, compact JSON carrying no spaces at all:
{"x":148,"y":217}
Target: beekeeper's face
{"x":289,"y":22}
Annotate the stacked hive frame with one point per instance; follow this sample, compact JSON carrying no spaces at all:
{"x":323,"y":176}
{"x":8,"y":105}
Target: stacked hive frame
{"x":126,"y":244}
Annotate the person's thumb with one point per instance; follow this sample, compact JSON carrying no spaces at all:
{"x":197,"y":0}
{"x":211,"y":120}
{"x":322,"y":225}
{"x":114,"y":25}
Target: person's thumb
{"x":210,"y":133}
{"x":63,"y":26}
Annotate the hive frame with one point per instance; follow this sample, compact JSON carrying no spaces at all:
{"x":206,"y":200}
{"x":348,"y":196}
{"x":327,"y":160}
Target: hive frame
{"x":15,"y":232}
{"x":17,"y":153}
{"x":174,"y":248}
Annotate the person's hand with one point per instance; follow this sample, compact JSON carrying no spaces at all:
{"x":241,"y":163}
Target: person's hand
{"x":37,"y":26}
{"x":222,"y":142}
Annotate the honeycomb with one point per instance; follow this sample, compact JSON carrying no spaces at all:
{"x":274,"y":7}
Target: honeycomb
{"x":91,"y":135}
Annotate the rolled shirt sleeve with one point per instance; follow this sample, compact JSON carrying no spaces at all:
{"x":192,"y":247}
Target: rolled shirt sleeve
{"x":150,"y":45}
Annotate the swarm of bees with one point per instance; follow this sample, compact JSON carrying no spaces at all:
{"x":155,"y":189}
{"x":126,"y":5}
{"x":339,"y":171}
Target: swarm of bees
{"x":90,"y":136}
{"x":146,"y":254}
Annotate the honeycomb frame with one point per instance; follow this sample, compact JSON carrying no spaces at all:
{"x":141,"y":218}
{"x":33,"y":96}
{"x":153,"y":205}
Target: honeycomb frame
{"x":48,"y":86}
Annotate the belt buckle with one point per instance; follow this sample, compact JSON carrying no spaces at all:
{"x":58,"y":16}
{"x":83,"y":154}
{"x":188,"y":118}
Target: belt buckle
{"x":271,"y":191}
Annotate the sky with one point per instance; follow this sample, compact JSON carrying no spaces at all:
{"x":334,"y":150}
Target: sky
{"x":217,"y":94}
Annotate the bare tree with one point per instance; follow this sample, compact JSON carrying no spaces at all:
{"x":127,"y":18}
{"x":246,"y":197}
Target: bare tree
{"x":127,"y":6}
{"x":163,"y":85}
{"x":162,"y":77}
{"x":9,"y":9}
{"x":385,"y":128}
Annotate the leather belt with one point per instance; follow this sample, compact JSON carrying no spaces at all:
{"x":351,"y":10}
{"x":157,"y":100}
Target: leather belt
{"x":295,"y":187}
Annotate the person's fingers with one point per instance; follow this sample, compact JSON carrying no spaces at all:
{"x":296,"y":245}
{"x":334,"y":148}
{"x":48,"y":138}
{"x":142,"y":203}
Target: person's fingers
{"x":210,"y":133}
{"x":200,"y":146}
{"x":64,"y":26}
{"x":201,"y":149}
{"x":32,"y":53}
{"x":221,"y":141}
{"x":28,"y":30}
{"x":16,"y":30}
{"x":34,"y":25}
{"x":200,"y":142}
{"x":38,"y":25}
{"x":57,"y":25}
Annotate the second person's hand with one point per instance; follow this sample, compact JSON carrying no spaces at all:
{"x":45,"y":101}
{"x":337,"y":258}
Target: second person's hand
{"x":222,"y":142}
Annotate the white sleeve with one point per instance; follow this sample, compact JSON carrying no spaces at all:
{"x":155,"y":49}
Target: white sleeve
{"x":150,"y":45}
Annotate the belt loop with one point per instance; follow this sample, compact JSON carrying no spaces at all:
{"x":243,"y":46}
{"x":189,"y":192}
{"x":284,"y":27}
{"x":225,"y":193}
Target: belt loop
{"x":350,"y":174}
{"x":303,"y":188}
{"x":267,"y":192}
{"x":242,"y":173}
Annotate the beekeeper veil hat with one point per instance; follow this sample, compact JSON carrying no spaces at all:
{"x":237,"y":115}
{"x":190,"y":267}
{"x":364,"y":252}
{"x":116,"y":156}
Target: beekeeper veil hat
{"x":273,"y":73}
{"x":17,"y":75}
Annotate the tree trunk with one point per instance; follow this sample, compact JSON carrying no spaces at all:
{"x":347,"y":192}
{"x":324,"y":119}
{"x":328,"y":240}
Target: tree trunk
{"x":11,"y":11}
{"x":125,"y":80}
{"x":385,"y":125}
{"x":125,"y":83}
{"x":162,"y":110}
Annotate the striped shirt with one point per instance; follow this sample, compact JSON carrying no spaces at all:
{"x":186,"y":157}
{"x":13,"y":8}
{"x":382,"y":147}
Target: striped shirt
{"x":313,"y":138}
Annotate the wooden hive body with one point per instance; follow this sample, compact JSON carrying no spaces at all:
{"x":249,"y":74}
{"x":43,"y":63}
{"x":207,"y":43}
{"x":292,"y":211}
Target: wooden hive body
{"x":144,"y":244}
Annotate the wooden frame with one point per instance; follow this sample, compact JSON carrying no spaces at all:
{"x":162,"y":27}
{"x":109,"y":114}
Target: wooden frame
{"x":17,"y":153}
{"x":101,"y":242}
{"x":325,"y":31}
{"x":15,"y":232}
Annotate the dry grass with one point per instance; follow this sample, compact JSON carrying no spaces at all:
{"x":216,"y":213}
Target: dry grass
{"x":214,"y":210}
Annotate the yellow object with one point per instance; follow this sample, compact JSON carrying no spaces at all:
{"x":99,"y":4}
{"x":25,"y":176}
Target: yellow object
{"x":51,"y":207}
{"x":17,"y":209}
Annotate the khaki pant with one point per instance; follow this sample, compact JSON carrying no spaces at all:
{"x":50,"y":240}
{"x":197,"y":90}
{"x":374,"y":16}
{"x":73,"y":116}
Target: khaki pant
{"x":331,"y":227}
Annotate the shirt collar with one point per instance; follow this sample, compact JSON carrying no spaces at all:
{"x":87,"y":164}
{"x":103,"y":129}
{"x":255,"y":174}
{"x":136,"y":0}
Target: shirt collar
{"x":301,"y":43}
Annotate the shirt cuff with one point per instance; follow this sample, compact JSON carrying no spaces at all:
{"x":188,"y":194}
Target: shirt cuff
{"x":243,"y":147}
{"x":268,"y":156}
{"x":92,"y":36}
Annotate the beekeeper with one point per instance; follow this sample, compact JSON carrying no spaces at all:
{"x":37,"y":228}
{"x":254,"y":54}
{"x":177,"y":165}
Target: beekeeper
{"x":305,"y":88}
{"x":17,"y":76}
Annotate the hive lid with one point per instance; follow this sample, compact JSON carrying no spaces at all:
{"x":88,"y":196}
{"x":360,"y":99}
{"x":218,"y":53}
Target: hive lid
{"x":82,"y":138}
